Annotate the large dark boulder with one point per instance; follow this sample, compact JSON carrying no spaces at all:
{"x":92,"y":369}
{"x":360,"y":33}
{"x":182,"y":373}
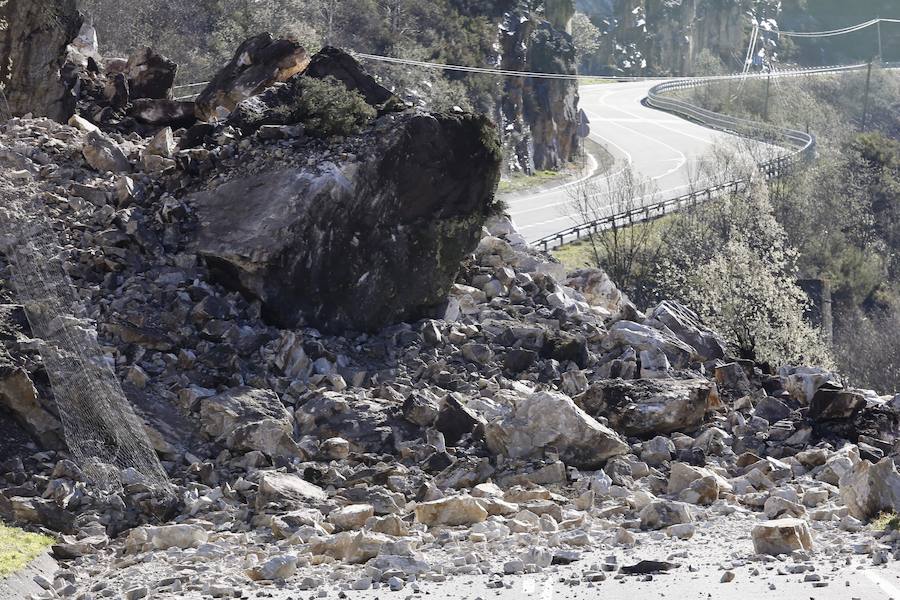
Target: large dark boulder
{"x":258,"y":63}
{"x":32,"y":53}
{"x":360,"y":243}
{"x":151,"y":75}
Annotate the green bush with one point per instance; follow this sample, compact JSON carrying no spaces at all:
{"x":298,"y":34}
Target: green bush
{"x":329,"y":108}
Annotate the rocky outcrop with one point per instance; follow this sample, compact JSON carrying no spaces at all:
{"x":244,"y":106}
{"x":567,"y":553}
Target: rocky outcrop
{"x":540,"y":116}
{"x":869,"y":490}
{"x":648,"y":407}
{"x":150,"y":75}
{"x":357,"y":243}
{"x":660,"y":36}
{"x":32,"y":52}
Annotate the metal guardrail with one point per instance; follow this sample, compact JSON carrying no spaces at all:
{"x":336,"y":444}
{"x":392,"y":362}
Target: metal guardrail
{"x":801,"y":147}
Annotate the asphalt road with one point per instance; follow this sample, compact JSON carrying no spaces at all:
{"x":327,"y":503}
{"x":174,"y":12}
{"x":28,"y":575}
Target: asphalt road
{"x":659,"y":146}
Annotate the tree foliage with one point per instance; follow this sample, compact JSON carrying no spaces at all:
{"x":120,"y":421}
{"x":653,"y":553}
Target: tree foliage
{"x":329,"y":108}
{"x":731,"y":261}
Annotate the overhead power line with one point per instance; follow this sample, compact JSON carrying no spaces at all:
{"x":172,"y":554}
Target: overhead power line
{"x":571,"y":76}
{"x":833,"y":32}
{"x":493,"y":71}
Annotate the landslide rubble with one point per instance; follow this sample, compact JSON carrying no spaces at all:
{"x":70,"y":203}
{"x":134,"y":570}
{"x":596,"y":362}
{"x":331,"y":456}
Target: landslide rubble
{"x":465,"y":408}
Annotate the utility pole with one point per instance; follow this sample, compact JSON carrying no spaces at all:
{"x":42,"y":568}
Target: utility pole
{"x":866,"y":101}
{"x":880,"y":55}
{"x":768,"y":87}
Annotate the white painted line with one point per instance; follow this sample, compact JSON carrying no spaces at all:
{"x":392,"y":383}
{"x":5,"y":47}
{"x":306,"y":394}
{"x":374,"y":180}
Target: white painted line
{"x":661,"y":194}
{"x":705,"y":140}
{"x":598,"y":179}
{"x":593,"y":171}
{"x":888,"y":588}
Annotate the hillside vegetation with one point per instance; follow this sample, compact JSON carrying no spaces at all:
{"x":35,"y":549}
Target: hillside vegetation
{"x":835,"y":220}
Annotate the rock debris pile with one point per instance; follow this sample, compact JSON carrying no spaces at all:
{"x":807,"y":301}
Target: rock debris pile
{"x":358,"y":376}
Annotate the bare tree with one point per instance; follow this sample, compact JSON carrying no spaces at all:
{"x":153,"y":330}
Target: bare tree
{"x":618,"y":245}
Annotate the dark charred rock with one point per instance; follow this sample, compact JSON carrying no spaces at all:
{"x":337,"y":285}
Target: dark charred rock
{"x":151,"y":75}
{"x":880,"y":424}
{"x":646,"y":567}
{"x":313,"y":246}
{"x":196,"y":135}
{"x":456,"y":420}
{"x":518,"y":360}
{"x":258,"y":63}
{"x":117,"y":91}
{"x":648,"y":407}
{"x":772,"y":410}
{"x":830,"y":403}
{"x":32,"y":53}
{"x":163,"y":112}
{"x":566,"y":347}
{"x":334,"y":62}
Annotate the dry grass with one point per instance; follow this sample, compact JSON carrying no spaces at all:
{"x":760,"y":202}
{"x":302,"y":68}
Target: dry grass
{"x":886,"y":521}
{"x":18,"y":548}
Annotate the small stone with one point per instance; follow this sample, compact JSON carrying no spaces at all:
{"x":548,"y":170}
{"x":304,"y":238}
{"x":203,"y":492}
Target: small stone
{"x":513,"y":567}
{"x":351,"y":517}
{"x":683,"y":531}
{"x":136,"y":593}
{"x":453,"y":510}
{"x":277,"y":567}
{"x":727,"y":577}
{"x":363,"y":583}
{"x":336,"y":448}
{"x":395,"y":584}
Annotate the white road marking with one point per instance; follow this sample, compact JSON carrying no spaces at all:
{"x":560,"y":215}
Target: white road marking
{"x":661,"y":194}
{"x":888,"y":588}
{"x":554,"y":204}
{"x":655,"y":122}
{"x":593,"y":171}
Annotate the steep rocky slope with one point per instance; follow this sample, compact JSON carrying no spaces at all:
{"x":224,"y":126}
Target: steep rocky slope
{"x":537,"y":417}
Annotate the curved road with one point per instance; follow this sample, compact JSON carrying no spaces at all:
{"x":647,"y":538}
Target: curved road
{"x":661,"y":147}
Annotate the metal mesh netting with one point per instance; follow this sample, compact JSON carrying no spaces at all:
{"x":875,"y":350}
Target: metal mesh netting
{"x":102,"y":431}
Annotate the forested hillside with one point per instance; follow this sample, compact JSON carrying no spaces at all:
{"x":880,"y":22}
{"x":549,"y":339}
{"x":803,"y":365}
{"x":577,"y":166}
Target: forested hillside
{"x":826,"y":15}
{"x":538,"y":118}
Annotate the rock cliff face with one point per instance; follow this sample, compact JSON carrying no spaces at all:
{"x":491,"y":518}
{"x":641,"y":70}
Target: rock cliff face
{"x":540,"y":116}
{"x":32,"y":51}
{"x":667,"y":36}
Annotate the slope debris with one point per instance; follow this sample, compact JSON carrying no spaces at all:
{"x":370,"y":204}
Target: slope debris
{"x":477,"y":412}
